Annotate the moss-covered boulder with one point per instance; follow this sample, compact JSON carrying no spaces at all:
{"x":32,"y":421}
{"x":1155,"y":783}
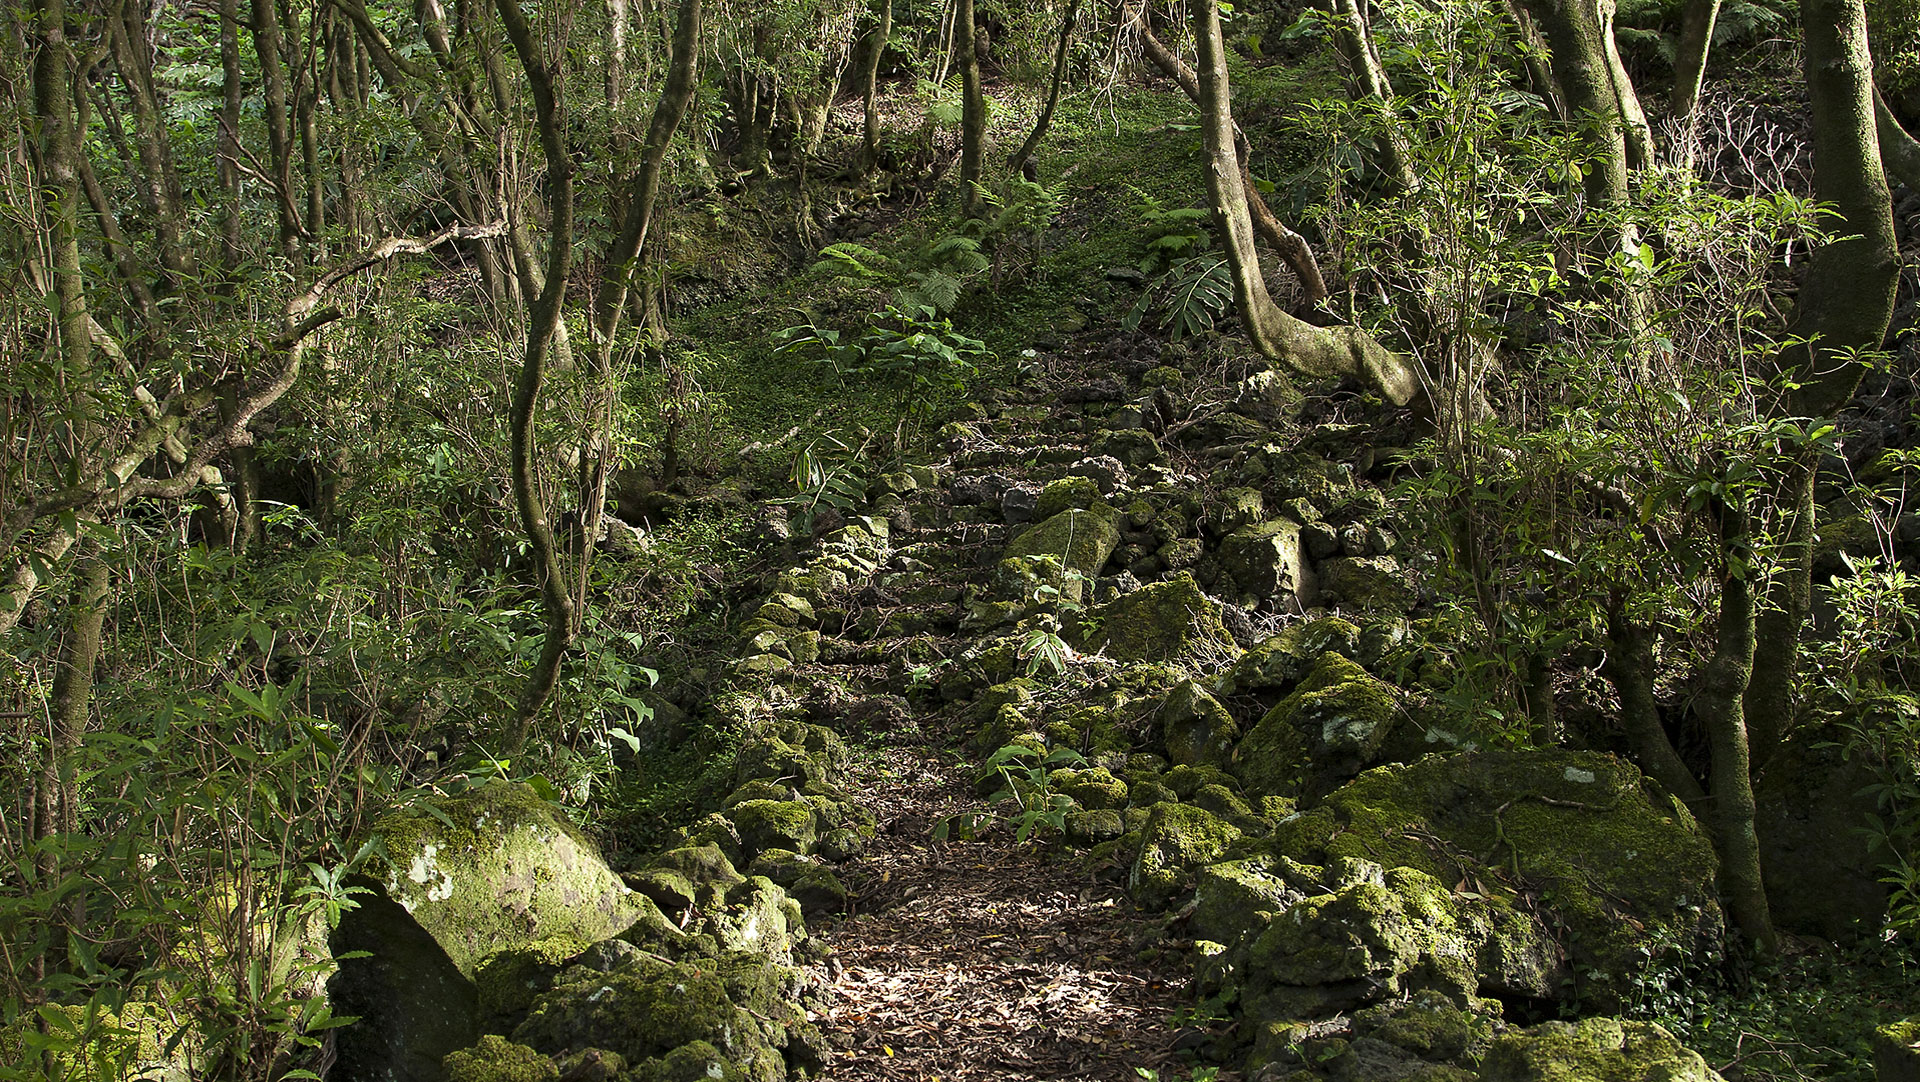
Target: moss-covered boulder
{"x":1094,"y":788}
{"x":1330,"y":728}
{"x":414,"y":1005}
{"x":1283,"y":660}
{"x":1081,"y":539}
{"x":806,"y":879}
{"x":1622,"y":871}
{"x":690,"y":877}
{"x":1267,"y":566}
{"x":1375,"y":584}
{"x":496,"y":1059}
{"x":509,"y":981}
{"x":1087,"y":828}
{"x":496,"y":868}
{"x":1593,"y":1050}
{"x":1195,"y":728}
{"x":1066,"y":494}
{"x":1896,"y":1052}
{"x":644,"y":1011}
{"x":774,"y":824}
{"x":1167,"y":621}
{"x":1178,"y":839}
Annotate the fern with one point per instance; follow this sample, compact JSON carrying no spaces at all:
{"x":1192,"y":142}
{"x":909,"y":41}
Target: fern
{"x":856,"y":261}
{"x":1190,"y":297}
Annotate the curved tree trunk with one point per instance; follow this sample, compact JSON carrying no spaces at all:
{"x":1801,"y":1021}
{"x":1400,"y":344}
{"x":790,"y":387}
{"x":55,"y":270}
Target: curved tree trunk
{"x":1017,"y":164}
{"x":870,"y":84}
{"x":1573,"y":34}
{"x":1899,"y":152}
{"x":1318,"y":351}
{"x":1633,"y":117}
{"x":1367,"y":78}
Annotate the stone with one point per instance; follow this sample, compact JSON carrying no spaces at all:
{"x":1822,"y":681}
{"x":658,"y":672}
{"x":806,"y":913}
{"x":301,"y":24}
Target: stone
{"x":1283,"y":660}
{"x":1093,"y":788}
{"x":1238,"y":507}
{"x":1103,"y":470}
{"x":1161,"y":622}
{"x":804,"y":878}
{"x":508,"y":981}
{"x":1896,"y":1052}
{"x":1177,"y":840}
{"x":498,"y":868}
{"x":1374,"y":584}
{"x":774,"y":824}
{"x":1195,"y":728}
{"x":1593,"y":1050}
{"x":1266,"y":564}
{"x":1332,"y":726}
{"x":1090,"y":827}
{"x":1134,"y":447}
{"x":1017,"y":505}
{"x":1066,"y":494}
{"x":495,"y":1059}
{"x":1623,"y":868}
{"x":1081,"y":539}
{"x":414,"y":1004}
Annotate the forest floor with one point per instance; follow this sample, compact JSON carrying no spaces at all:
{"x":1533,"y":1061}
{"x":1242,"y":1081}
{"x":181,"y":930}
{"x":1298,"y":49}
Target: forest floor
{"x":986,"y":959}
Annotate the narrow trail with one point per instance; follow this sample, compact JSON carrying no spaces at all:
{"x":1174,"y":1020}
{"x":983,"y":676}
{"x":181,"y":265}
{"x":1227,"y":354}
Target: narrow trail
{"x":983,"y":959}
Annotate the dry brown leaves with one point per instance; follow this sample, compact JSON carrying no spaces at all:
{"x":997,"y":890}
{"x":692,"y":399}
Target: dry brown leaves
{"x":983,"y":960}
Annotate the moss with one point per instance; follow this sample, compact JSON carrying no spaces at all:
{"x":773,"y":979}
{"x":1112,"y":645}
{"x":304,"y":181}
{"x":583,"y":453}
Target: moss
{"x":1195,"y":728}
{"x":706,"y":869}
{"x":644,"y":1009}
{"x":1623,"y":870}
{"x":495,"y":1059}
{"x":1167,"y":621}
{"x":1094,"y":826}
{"x":1177,"y":840}
{"x":1081,"y":539}
{"x":1132,"y":446}
{"x":1265,"y":563}
{"x":1593,"y":1050}
{"x":1185,"y":780}
{"x":1094,"y":788}
{"x":1229,"y":895}
{"x":508,"y":981}
{"x":498,"y":868}
{"x":1068,"y":493}
{"x":803,"y":878}
{"x":1373,"y":584}
{"x":773,"y":759}
{"x":1282,"y":660}
{"x":1896,"y":1051}
{"x":774,"y":824}
{"x":1146,"y":791}
{"x":1227,"y":804}
{"x":1237,"y":507}
{"x":1336,"y":722}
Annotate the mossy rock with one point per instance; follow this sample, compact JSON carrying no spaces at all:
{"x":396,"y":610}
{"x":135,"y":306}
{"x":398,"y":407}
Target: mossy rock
{"x":773,"y":759}
{"x":764,"y":666}
{"x":1300,"y":475}
{"x":496,"y":1059}
{"x":1089,"y":828}
{"x":1228,"y":805}
{"x":1283,"y":660}
{"x":498,"y":868}
{"x":1340,"y":715}
{"x":646,"y":1009}
{"x":1623,"y":869}
{"x":1811,"y":801}
{"x":1374,"y":584}
{"x":1177,"y":840}
{"x":1144,"y":791}
{"x":509,"y":981}
{"x":1066,"y":494}
{"x":1187,"y":780}
{"x":1132,"y":446}
{"x":1593,"y":1050}
{"x":1229,"y":893}
{"x":1167,"y":621}
{"x":774,"y":824}
{"x":696,"y":876}
{"x":1094,"y":788}
{"x":1237,"y":507}
{"x":1195,"y":728}
{"x":1896,"y":1052}
{"x":1081,"y":540}
{"x":804,"y":879}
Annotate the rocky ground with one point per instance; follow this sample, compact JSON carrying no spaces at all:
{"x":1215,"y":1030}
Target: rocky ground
{"x":1103,"y":742}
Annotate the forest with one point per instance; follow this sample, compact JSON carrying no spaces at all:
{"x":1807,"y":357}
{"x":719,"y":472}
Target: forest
{"x":950,"y":540}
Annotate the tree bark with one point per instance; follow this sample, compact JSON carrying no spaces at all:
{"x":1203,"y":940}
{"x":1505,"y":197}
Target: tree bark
{"x":1629,"y":667}
{"x":1633,"y":117}
{"x":1899,"y":152}
{"x":973,"y":105}
{"x":1845,"y":306}
{"x":1573,"y":33}
{"x":1690,"y":74}
{"x":1367,"y":79}
{"x":1723,"y":683}
{"x":542,"y":323}
{"x":1017,"y":164}
{"x":1325,"y":352}
{"x":265,"y":21}
{"x":870,"y":84}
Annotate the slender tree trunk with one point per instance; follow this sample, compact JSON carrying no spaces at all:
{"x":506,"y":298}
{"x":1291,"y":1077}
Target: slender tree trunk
{"x":232,"y":90}
{"x":159,"y":180}
{"x":870,"y":83}
{"x":543,"y":320}
{"x":1325,"y":352}
{"x":1898,"y":149}
{"x":72,"y":698}
{"x":1630,"y":669}
{"x":1690,"y":75}
{"x":1573,"y":33}
{"x":1534,"y":58}
{"x":1367,"y":79}
{"x":1017,"y":164}
{"x":1723,"y":683}
{"x":1633,"y":118}
{"x":973,"y":120}
{"x":273,"y":81}
{"x":617,"y":20}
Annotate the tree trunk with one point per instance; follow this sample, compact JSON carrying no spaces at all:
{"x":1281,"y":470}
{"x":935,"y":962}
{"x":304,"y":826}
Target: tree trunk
{"x":973,"y":102}
{"x":1017,"y":164}
{"x":1690,"y":74}
{"x":1325,"y":352}
{"x":1723,"y":683}
{"x":1573,"y":33}
{"x":1630,"y":669}
{"x":273,"y":85}
{"x":1844,"y":308}
{"x":870,"y":84}
{"x":1367,"y":79}
{"x":1898,"y":150}
{"x":1633,"y":118}
{"x":542,"y":322}
{"x":72,"y":697}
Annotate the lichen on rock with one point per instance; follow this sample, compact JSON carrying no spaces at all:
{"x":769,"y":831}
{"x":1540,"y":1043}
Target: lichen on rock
{"x":1168,"y":621}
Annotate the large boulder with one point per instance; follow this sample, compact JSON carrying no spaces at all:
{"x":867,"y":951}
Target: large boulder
{"x":1335,"y":724}
{"x":1167,"y":621}
{"x":1283,"y":660}
{"x":1620,"y":868}
{"x":1195,"y":728}
{"x":414,"y":1004}
{"x":496,"y":868}
{"x":1811,"y":802}
{"x":1176,"y":840}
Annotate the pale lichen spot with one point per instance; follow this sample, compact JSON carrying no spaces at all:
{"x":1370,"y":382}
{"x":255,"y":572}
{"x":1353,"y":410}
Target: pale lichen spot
{"x":1584,"y":777}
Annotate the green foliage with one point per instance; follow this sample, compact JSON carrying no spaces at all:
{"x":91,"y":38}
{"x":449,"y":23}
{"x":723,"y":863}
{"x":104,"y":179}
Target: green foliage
{"x":828,"y":473}
{"x":1027,"y":789}
{"x":912,"y":351}
{"x":1191,"y":289}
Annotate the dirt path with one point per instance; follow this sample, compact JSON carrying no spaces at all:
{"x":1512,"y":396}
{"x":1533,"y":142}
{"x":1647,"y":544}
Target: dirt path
{"x":983,"y":960}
